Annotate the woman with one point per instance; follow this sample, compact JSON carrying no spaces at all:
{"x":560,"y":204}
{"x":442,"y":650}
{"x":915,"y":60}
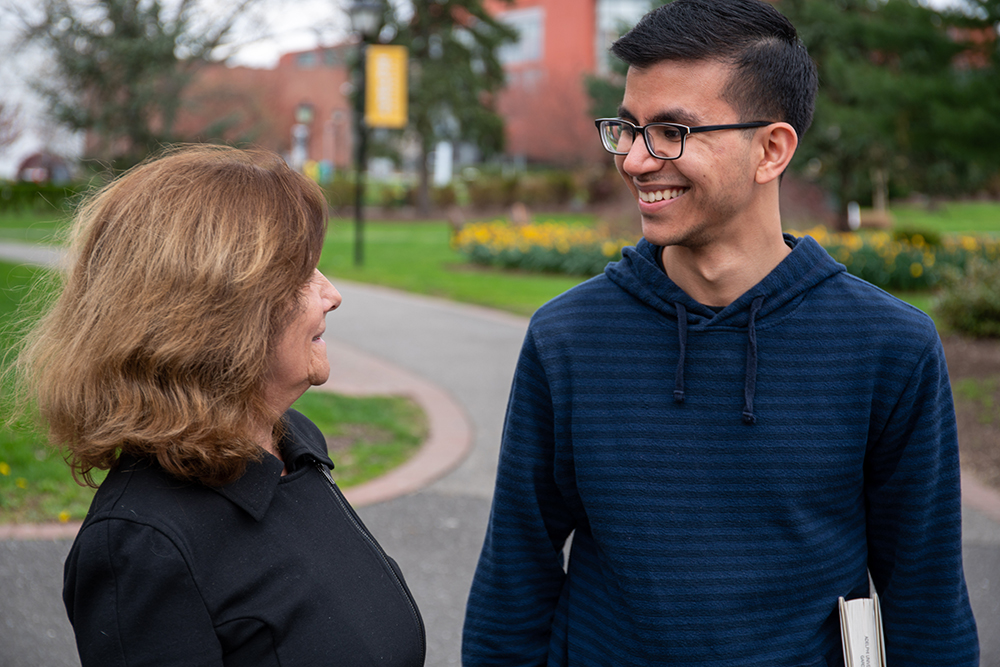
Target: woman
{"x":189,"y":323}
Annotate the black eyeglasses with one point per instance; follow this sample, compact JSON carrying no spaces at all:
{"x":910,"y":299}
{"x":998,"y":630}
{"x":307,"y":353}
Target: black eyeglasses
{"x":665,"y":141}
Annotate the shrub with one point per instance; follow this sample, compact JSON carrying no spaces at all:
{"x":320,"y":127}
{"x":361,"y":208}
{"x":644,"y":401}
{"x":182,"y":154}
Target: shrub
{"x":969,"y":302}
{"x":340,"y":192}
{"x":535,"y":189}
{"x":491,"y":191}
{"x":918,"y":237}
{"x":22,"y":196}
{"x":444,"y":196}
{"x":602,"y":184}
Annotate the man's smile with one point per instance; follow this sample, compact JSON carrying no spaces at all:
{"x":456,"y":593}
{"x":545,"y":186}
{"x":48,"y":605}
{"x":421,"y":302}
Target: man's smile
{"x":660,"y":195}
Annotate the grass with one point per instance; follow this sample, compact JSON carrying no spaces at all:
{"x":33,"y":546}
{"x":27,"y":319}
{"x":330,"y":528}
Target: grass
{"x":366,"y":436}
{"x":35,"y":483}
{"x":952,"y":218}
{"x":28,"y":227}
{"x":979,"y":392}
{"x":370,"y":435}
{"x":417,"y":257}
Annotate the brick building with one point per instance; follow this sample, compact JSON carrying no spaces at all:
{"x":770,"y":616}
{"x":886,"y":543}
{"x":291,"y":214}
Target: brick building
{"x":545,"y":103}
{"x":307,"y":88}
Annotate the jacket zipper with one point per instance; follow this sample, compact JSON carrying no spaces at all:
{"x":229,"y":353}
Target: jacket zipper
{"x":363,"y":531}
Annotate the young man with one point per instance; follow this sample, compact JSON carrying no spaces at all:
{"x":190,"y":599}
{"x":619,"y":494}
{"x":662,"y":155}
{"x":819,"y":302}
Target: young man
{"x":733,"y":429}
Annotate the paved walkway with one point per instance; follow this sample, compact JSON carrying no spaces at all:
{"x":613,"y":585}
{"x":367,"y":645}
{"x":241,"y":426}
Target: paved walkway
{"x":457,"y":362}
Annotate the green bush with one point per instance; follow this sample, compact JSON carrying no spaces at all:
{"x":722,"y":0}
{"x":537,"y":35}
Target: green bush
{"x":444,"y":196}
{"x":969,"y":302}
{"x":22,"y":196}
{"x":918,"y":236}
{"x":491,"y":191}
{"x":340,"y":192}
{"x":536,"y":189}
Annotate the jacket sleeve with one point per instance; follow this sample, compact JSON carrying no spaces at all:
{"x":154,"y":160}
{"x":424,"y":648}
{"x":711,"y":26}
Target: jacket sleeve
{"x":132,"y":600}
{"x":520,"y":573}
{"x":914,"y":524}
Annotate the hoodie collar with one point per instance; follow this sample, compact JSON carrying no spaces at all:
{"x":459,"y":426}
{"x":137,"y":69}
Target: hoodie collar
{"x":640,"y":274}
{"x":805,"y":267}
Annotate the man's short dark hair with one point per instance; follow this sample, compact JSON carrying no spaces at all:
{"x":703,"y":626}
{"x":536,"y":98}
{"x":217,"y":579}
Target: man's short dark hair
{"x":773,"y":76}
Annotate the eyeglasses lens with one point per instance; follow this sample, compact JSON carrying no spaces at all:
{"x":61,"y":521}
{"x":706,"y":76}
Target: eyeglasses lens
{"x":665,"y":140}
{"x":617,"y":136}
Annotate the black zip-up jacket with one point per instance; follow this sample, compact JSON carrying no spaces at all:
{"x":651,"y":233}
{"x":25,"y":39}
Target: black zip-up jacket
{"x":269,"y":570}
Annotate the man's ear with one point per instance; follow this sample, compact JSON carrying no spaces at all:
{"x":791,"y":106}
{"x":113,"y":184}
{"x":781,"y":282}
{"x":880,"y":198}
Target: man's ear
{"x":779,"y":142}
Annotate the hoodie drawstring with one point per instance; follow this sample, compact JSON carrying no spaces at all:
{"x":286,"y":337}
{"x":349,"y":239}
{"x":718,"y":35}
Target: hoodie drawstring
{"x":750,"y":384}
{"x":750,"y":380}
{"x":682,"y":332}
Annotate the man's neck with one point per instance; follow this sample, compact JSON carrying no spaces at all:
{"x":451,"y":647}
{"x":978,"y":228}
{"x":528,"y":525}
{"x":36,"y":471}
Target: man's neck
{"x":718,"y":274}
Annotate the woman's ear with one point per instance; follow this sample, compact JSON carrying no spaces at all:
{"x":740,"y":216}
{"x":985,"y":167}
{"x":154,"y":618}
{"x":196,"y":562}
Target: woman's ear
{"x":779,"y":144}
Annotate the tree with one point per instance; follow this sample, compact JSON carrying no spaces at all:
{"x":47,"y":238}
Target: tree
{"x":454,"y":74}
{"x":909,"y":97}
{"x":10,"y":125}
{"x":120,"y":67}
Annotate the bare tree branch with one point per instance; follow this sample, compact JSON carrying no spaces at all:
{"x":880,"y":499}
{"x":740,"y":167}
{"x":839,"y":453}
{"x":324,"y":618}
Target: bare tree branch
{"x":10,"y":124}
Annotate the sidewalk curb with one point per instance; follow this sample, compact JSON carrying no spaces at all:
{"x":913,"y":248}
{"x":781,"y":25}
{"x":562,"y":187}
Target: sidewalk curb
{"x":449,"y":440}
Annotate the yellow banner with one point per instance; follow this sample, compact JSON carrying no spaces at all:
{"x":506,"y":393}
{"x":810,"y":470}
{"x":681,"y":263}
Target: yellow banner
{"x":385,"y":86}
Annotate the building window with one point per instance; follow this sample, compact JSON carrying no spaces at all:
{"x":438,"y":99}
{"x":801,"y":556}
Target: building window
{"x":530,"y":26}
{"x":306,"y":60}
{"x":615,"y":18}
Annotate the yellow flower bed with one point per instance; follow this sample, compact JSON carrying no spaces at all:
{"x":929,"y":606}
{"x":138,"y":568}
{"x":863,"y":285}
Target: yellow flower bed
{"x":546,"y":246}
{"x":892,"y":261}
{"x":903,"y":261}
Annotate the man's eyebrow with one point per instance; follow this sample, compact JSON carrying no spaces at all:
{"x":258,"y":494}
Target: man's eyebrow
{"x":624,"y":114}
{"x":670,"y":116}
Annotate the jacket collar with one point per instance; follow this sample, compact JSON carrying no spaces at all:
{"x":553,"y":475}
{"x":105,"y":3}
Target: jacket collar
{"x":254,"y":491}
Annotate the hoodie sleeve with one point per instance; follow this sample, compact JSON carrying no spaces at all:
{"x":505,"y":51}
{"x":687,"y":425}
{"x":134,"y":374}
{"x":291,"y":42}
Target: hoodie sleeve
{"x":914,"y":524}
{"x":132,"y":600}
{"x":520,"y":572}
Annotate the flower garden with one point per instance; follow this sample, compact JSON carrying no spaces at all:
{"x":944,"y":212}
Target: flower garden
{"x":895,"y":261}
{"x":570,"y":248}
{"x":905,"y":261}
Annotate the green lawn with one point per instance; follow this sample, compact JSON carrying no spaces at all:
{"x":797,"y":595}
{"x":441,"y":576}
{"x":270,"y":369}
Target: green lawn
{"x":954,"y":218}
{"x":417,"y":257}
{"x":31,"y":227}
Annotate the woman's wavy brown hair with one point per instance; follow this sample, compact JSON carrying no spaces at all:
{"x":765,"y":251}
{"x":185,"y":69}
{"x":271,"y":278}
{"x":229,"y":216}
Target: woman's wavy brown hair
{"x":185,"y":270}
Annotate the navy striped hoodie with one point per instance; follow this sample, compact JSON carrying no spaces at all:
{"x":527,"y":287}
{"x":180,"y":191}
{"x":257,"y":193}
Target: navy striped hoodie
{"x":724,"y":477}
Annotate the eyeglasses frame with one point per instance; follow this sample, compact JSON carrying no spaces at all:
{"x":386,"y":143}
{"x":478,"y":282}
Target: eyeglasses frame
{"x":685,"y":131}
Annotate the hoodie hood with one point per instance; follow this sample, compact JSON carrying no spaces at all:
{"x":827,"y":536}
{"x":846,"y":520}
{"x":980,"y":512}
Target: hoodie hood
{"x":639,"y":274}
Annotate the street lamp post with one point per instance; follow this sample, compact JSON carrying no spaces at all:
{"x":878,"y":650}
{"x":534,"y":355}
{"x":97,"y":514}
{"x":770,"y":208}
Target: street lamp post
{"x":366,"y":19}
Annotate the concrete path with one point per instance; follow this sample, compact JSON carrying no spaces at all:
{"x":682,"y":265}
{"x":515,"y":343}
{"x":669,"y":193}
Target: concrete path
{"x":457,"y":362}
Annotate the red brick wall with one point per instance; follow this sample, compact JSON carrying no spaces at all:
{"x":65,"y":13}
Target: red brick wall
{"x":322,"y":86}
{"x":545,"y":104}
{"x":264,"y":103}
